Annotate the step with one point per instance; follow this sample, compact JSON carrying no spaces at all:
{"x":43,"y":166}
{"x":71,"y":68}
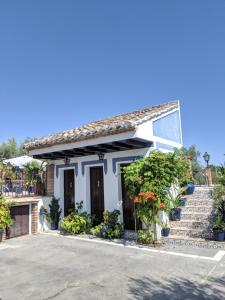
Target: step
{"x":197,"y":208}
{"x":192,"y":242}
{"x":206,"y":197}
{"x":203,"y":202}
{"x":191,"y":224}
{"x":196,"y":216}
{"x":190,"y":232}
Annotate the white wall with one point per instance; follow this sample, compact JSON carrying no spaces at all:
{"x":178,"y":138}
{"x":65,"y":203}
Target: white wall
{"x":112,"y":181}
{"x":42,"y":226}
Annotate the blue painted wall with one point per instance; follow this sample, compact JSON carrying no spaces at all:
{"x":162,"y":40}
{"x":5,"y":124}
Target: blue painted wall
{"x":168,"y":127}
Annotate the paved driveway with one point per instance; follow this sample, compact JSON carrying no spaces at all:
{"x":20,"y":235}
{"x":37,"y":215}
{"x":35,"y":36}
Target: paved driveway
{"x":53,"y":267}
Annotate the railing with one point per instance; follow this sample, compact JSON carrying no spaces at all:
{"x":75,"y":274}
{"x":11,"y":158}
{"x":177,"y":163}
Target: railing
{"x":16,"y":188}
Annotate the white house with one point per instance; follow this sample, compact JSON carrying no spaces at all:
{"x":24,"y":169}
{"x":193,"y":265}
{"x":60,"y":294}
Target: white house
{"x":85,"y":162}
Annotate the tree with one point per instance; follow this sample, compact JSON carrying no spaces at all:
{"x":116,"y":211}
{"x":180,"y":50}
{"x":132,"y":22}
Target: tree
{"x":197,"y":171}
{"x":11,"y":148}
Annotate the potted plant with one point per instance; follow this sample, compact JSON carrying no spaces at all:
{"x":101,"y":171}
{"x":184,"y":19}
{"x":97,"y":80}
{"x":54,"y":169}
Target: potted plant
{"x":190,"y":188}
{"x":54,"y":213}
{"x":165,"y":229}
{"x":218,"y":229}
{"x":5,"y":217}
{"x":173,"y":202}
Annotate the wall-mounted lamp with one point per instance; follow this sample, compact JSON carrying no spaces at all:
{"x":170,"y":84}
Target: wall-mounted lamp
{"x":101,"y":156}
{"x":66,"y":160}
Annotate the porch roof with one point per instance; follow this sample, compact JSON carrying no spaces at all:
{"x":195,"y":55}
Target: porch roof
{"x":121,"y":145}
{"x":109,"y":126}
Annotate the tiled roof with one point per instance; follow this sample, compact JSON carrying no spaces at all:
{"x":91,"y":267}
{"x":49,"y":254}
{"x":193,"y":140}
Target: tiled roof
{"x":113,"y":125}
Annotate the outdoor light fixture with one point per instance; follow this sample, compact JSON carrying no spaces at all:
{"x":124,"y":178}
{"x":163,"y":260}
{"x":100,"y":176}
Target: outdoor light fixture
{"x":206,"y":157}
{"x":66,"y":160}
{"x":101,"y":156}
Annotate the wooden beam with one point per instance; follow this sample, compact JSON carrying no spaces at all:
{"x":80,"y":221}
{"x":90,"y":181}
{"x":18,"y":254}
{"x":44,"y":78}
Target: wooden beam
{"x":136,"y":143}
{"x":109,"y":147}
{"x":96,"y":149}
{"x":85,"y":150}
{"x":122,"y":145}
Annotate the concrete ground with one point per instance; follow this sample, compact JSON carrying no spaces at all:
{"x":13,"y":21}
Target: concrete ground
{"x":53,"y":267}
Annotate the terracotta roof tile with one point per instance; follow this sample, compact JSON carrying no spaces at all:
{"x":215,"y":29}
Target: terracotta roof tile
{"x":113,"y":125}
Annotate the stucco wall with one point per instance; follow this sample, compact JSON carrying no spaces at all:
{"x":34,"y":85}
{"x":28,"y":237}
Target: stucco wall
{"x":112,"y":178}
{"x":168,"y":127}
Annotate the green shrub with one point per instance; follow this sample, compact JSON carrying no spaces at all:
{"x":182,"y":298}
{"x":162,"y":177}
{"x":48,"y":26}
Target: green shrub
{"x":5,"y":217}
{"x":97,"y":229}
{"x":109,"y":228}
{"x":145,"y":236}
{"x":77,"y":222}
{"x":219,"y":197}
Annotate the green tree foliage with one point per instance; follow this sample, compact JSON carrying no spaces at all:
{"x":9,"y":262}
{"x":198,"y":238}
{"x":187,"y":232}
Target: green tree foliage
{"x":11,"y":148}
{"x":5,"y":218}
{"x":157,"y":172}
{"x":197,"y":170}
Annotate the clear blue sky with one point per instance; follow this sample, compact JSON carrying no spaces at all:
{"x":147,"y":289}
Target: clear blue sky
{"x":65,"y":63}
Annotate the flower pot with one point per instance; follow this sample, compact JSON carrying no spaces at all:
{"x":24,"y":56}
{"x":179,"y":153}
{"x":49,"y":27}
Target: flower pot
{"x":218,"y":235}
{"x":175,"y":214}
{"x":190,"y":189}
{"x":182,"y":202}
{"x":54,"y":226}
{"x":165,"y":231}
{"x":1,"y":234}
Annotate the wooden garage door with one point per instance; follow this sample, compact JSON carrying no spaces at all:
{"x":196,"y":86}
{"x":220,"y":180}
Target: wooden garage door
{"x":20,"y":216}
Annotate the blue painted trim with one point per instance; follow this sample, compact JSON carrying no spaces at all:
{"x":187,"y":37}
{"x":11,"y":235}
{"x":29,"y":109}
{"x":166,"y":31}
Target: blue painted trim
{"x":66,"y":166}
{"x":164,"y":146}
{"x":123,"y":159}
{"x":94,"y":162}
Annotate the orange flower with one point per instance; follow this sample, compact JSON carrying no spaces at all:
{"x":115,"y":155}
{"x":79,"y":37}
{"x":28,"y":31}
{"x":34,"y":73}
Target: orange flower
{"x":137,"y":200}
{"x":141,"y":194}
{"x":162,"y":206}
{"x":150,"y":196}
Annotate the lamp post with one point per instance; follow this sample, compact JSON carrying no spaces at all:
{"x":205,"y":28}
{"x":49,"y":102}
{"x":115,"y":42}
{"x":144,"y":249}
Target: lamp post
{"x":206,"y":157}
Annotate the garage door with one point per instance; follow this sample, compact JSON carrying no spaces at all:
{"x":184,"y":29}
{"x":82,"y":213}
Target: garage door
{"x":20,"y":216}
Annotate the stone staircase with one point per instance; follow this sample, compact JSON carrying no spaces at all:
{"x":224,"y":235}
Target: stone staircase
{"x":195,"y":226}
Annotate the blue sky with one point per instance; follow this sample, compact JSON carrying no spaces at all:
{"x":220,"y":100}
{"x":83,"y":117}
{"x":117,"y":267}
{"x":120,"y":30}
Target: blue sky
{"x":65,"y":63}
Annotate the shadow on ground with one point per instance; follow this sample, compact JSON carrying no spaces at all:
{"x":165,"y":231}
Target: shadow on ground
{"x":176,"y":288}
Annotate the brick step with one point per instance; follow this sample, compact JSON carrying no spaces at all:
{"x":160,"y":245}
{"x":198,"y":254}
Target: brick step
{"x":197,"y":208}
{"x":196,"y":216}
{"x":192,"y":242}
{"x":191,"y":224}
{"x":190,"y":232}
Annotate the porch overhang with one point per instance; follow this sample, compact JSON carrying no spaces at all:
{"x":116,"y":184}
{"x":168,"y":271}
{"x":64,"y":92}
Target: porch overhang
{"x":95,"y":149}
